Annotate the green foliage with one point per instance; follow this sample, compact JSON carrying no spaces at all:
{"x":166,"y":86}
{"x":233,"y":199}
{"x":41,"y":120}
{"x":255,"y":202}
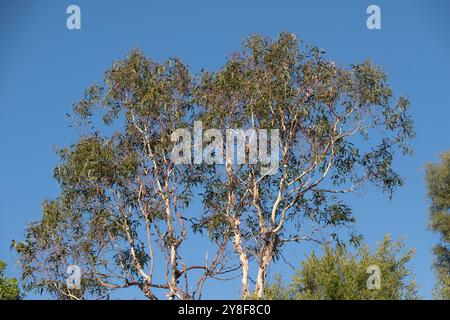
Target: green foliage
{"x":438,"y":184}
{"x":339,"y":274}
{"x":115,"y":182}
{"x":9,"y":289}
{"x":340,"y":128}
{"x":329,"y":119}
{"x":121,"y":196}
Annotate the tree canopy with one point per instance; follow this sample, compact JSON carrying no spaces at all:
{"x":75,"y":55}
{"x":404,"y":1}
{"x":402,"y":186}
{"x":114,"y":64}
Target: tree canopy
{"x":339,"y":130}
{"x":123,"y":214}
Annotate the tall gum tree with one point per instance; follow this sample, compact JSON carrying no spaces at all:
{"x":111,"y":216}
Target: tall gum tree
{"x":122,"y":213}
{"x":339,"y":129}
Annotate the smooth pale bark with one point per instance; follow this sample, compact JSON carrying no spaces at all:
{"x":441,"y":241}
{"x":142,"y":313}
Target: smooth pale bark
{"x":266,"y":257}
{"x":237,"y":242}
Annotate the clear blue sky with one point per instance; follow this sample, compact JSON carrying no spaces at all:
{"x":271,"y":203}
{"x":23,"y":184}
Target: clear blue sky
{"x":44,"y":69}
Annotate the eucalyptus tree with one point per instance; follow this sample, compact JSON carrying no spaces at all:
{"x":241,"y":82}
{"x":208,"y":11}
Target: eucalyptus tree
{"x":438,"y":184}
{"x":122,"y":213}
{"x":339,"y":129}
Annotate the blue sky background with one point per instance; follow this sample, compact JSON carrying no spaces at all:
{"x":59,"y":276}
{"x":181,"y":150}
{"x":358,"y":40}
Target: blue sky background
{"x":44,"y":69}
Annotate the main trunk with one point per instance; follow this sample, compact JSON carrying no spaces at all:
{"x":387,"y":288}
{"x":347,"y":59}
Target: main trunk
{"x":264,"y":261}
{"x":237,"y":241}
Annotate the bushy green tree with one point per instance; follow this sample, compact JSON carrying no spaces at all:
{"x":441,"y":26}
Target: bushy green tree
{"x":339,"y":274}
{"x":9,"y":289}
{"x":438,"y":183}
